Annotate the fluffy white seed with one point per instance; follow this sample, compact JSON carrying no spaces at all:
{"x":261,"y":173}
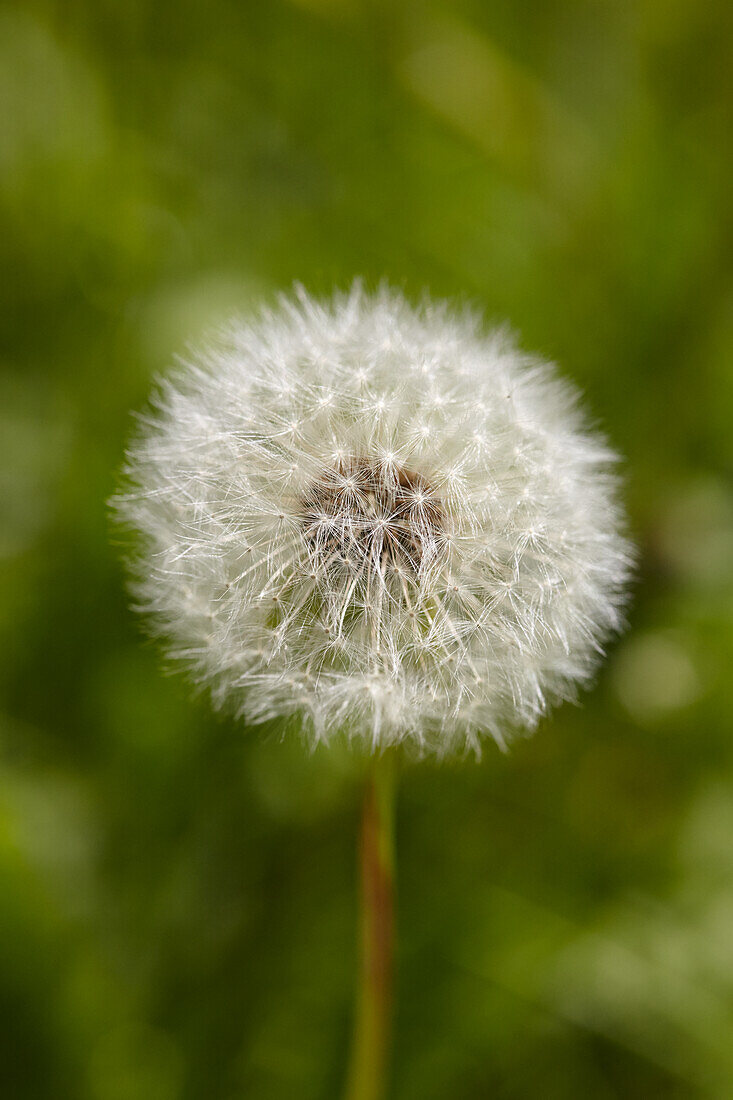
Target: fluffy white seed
{"x":378,"y":519}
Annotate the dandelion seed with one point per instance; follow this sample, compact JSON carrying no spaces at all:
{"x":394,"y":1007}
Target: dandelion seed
{"x":301,"y":492}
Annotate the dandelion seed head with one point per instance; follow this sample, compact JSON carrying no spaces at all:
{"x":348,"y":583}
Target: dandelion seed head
{"x":380,"y":519}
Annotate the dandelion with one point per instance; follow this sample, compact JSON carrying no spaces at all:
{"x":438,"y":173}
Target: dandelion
{"x":379,"y":521}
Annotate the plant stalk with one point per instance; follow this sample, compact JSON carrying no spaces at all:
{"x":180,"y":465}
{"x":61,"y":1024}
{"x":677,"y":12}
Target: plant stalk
{"x":373,"y":1010}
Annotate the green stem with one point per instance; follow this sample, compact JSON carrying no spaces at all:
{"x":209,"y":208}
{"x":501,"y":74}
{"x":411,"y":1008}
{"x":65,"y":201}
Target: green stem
{"x":370,"y":1044}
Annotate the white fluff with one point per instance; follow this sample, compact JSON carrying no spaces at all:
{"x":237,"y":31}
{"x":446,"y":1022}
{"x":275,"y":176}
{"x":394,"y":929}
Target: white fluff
{"x":379,"y":519}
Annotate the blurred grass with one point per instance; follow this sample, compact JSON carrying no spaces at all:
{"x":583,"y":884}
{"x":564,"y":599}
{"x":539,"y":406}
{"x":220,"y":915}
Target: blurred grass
{"x":176,"y":895}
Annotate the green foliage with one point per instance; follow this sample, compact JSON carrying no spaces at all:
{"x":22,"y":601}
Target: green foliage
{"x":177,"y":894}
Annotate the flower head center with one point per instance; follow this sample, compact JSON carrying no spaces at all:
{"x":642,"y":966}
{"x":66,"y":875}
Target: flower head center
{"x":375,"y":515}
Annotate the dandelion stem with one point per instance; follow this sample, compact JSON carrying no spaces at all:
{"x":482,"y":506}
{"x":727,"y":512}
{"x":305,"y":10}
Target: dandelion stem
{"x":370,"y":1044}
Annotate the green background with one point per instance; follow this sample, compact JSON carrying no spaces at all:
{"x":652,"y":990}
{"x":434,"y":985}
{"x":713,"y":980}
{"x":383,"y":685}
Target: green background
{"x":176,"y":892}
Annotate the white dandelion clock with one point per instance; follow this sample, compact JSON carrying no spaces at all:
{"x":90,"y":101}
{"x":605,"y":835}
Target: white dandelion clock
{"x":380,"y":520}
